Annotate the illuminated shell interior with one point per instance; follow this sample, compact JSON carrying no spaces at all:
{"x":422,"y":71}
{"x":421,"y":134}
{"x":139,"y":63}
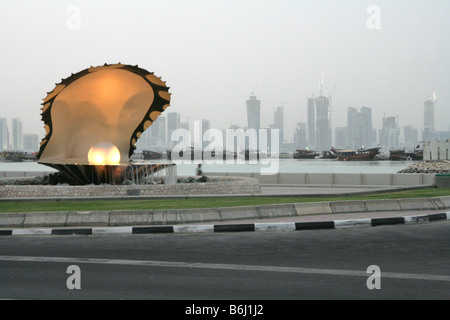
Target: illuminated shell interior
{"x":111,"y":104}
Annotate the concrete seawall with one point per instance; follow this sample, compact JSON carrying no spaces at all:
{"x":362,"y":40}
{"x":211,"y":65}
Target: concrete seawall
{"x":338,"y":179}
{"x":23,"y":174}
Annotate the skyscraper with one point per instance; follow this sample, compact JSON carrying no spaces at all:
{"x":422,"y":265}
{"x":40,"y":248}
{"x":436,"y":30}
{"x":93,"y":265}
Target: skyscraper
{"x":365,"y":124}
{"x":173,"y":123}
{"x":17,"y":136}
{"x":160,"y":130}
{"x":278,"y":123}
{"x":389,"y":133}
{"x":323,"y":129}
{"x":311,"y":123}
{"x":155,"y":136}
{"x":428,"y":116}
{"x":3,"y":134}
{"x":300,"y":136}
{"x":254,"y":113}
{"x":353,"y":134}
{"x":30,"y":142}
{"x":359,"y":126}
{"x":428,"y":120}
{"x":341,"y":137}
{"x":206,"y":125}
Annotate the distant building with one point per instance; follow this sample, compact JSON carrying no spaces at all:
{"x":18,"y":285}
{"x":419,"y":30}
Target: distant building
{"x":278,"y":123}
{"x":300,"y":136}
{"x":3,"y":134}
{"x":341,"y":137}
{"x":206,"y":125}
{"x":17,"y":135}
{"x":359,"y":128}
{"x":366,"y":129}
{"x":429,"y":130}
{"x":230,"y":145}
{"x":323,"y":128}
{"x":353,"y":134}
{"x":428,"y":115}
{"x":30,"y":142}
{"x":160,"y":130}
{"x":389,"y":134}
{"x":173,"y":123}
{"x":311,"y":123}
{"x":411,"y":136}
{"x":154,"y":138}
{"x":254,"y":113}
{"x":184,"y":125}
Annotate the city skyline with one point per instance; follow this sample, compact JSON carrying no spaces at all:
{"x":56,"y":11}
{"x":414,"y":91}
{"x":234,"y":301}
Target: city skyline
{"x":13,"y":138}
{"x":213,"y":55}
{"x":316,"y":133}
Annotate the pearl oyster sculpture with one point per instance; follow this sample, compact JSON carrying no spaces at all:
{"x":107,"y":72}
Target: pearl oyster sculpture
{"x":94,"y":118}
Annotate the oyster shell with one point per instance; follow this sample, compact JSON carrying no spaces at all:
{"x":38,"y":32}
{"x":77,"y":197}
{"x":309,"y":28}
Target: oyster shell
{"x":110,"y":104}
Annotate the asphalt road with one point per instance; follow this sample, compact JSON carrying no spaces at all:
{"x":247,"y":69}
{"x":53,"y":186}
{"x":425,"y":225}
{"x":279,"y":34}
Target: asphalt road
{"x":414,"y":261}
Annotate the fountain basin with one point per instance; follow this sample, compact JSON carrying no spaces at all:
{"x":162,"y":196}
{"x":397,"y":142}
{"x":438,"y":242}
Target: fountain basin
{"x":85,"y":174}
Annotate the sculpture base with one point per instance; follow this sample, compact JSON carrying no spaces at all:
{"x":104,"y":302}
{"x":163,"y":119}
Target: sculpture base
{"x":85,"y":174}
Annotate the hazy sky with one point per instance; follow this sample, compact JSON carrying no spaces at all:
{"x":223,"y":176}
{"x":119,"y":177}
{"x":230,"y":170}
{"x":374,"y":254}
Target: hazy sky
{"x":214,"y":54}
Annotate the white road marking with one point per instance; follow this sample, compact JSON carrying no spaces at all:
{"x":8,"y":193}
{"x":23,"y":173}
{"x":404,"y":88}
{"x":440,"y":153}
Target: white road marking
{"x":219,"y":266}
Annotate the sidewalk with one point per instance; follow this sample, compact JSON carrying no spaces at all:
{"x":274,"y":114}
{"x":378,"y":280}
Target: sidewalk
{"x":277,"y":190}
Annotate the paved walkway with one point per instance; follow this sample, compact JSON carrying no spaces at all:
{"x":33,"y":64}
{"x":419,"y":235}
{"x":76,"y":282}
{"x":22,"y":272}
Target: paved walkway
{"x":329,"y":190}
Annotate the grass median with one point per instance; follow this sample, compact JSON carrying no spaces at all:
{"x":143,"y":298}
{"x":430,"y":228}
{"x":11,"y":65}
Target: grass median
{"x":190,"y":203}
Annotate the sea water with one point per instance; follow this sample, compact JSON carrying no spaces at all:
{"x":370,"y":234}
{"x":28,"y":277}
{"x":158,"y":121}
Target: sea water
{"x":283,"y":166}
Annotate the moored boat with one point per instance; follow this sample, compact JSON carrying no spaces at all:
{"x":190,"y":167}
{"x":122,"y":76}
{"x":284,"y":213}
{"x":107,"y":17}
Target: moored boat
{"x":152,"y":155}
{"x":328,"y":155}
{"x":18,"y":156}
{"x":402,"y":155}
{"x":356,"y":155}
{"x":305,"y":154}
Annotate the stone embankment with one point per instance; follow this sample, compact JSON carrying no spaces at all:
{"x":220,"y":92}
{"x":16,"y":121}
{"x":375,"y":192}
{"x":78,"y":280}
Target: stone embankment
{"x":430,"y":167}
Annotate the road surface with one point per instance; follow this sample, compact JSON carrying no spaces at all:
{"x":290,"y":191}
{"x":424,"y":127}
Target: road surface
{"x":414,"y":263}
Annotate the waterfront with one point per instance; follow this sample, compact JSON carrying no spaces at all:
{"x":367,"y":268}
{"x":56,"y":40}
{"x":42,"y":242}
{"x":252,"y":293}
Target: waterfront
{"x":283,"y":165}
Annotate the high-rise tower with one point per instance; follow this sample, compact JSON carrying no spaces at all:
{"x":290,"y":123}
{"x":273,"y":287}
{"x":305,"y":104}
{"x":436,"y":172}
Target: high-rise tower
{"x":3,"y":134}
{"x":17,"y":135}
{"x":323,"y":129}
{"x":254,"y":113}
{"x":278,"y":122}
{"x":173,"y":123}
{"x":429,"y":119}
{"x":311,"y":123}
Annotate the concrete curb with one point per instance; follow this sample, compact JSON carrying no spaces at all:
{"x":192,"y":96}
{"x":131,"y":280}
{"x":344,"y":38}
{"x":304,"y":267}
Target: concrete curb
{"x":189,"y":216}
{"x":254,"y":227}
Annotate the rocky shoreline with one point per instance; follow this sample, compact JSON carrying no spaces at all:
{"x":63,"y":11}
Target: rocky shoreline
{"x":430,"y":167}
